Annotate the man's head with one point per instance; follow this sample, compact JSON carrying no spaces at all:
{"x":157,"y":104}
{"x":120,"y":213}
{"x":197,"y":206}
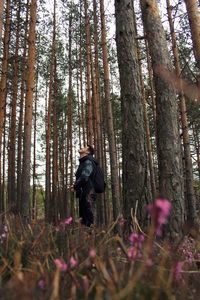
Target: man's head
{"x":86,"y":151}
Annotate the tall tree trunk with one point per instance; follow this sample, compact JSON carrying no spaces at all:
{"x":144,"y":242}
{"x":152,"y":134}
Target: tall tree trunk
{"x":146,"y":121}
{"x":98,"y":105}
{"x":3,"y":82}
{"x":12,"y":187}
{"x":196,"y":145}
{"x":55,"y":137}
{"x":194,"y":19}
{"x":48,"y":196}
{"x":190,"y":194}
{"x":111,"y":136}
{"x":88,"y":75}
{"x":55,"y":149}
{"x":34,"y":203}
{"x":21,"y":113}
{"x":1,"y":19}
{"x":70,"y":117}
{"x":169,"y":154}
{"x":133,"y":139}
{"x":28,"y":116}
{"x":81,"y":77}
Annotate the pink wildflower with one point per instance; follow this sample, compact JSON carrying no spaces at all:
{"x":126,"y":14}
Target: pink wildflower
{"x":92,"y":253}
{"x":60,"y":263}
{"x":73,"y":262}
{"x":68,"y":221}
{"x":41,"y":284}
{"x":132,"y":253}
{"x":159,"y":212}
{"x":56,"y":229}
{"x":121,"y":221}
{"x":136,"y":239}
{"x":5,"y":228}
{"x":149,"y":262}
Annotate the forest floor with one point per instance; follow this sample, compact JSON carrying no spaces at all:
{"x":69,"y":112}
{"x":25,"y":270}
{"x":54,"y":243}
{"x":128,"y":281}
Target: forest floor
{"x":69,"y":261}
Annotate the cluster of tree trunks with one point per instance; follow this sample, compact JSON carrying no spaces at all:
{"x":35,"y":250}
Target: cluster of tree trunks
{"x":85,"y":115}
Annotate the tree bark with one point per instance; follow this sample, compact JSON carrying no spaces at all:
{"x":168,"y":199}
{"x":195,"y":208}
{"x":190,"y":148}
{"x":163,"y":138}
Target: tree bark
{"x":21,"y":113}
{"x":194,"y":19}
{"x":111,"y":136}
{"x":3,"y":82}
{"x":88,"y":75}
{"x":190,"y":193}
{"x":169,"y":154}
{"x":133,"y":140}
{"x":1,"y":19}
{"x":28,"y":116}
{"x":12,"y":149}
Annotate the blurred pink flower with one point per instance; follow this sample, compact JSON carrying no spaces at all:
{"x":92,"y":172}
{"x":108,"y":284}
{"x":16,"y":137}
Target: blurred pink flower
{"x":73,"y":262}
{"x":5,"y":228}
{"x":137,"y":239}
{"x":41,"y":284}
{"x":159,"y":212}
{"x":60,"y":263}
{"x":68,"y":221}
{"x":92,"y":253}
{"x":149,"y":262}
{"x":56,"y":229}
{"x":132,"y":253}
{"x":121,"y":221}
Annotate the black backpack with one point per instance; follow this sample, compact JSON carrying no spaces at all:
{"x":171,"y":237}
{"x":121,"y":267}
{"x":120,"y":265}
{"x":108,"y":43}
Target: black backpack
{"x":98,"y":179}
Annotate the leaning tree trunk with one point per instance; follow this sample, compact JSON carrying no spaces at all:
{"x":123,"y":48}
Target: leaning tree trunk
{"x":169,"y":156}
{"x":133,"y":137}
{"x":28,"y":117}
{"x":190,"y":194}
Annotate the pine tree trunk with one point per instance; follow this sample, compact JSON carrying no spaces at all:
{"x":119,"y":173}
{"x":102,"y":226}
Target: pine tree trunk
{"x":194,"y":20}
{"x":28,"y":117}
{"x":1,"y":19}
{"x":34,"y":203}
{"x":12,"y":148}
{"x":88,"y":76}
{"x":81,"y":78}
{"x":197,"y":146}
{"x":3,"y":82}
{"x":146,"y":121}
{"x":111,"y":136}
{"x":21,"y":113}
{"x":169,"y":154}
{"x":70,"y":117}
{"x":133,"y":139}
{"x":48,"y":196}
{"x":54,"y":205}
{"x":190,"y":193}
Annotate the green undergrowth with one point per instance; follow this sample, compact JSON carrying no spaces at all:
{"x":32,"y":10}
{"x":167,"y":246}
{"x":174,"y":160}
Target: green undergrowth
{"x":70,"y":261}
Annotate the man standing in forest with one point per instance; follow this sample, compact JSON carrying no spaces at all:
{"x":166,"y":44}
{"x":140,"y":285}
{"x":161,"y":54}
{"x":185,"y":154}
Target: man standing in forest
{"x":84,"y":185}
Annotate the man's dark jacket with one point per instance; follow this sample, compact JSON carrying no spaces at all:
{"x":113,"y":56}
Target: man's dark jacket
{"x":84,"y":174}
